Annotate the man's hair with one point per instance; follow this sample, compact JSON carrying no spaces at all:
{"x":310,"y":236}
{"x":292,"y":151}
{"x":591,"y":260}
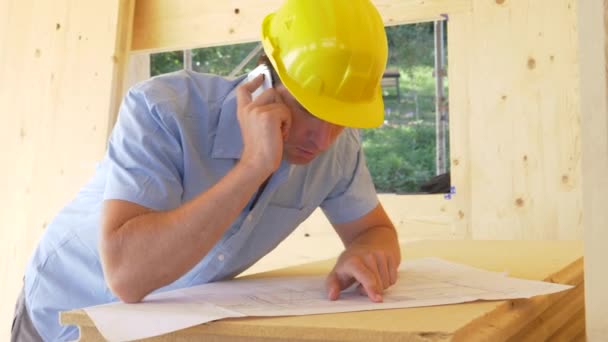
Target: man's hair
{"x":263,"y":59}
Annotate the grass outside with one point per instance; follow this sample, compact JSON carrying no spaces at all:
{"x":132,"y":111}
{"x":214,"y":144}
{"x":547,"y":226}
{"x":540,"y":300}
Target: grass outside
{"x":401,"y":153}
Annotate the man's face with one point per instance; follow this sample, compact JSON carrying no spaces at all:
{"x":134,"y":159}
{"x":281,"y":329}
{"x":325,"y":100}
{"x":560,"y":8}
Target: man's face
{"x":309,"y":136}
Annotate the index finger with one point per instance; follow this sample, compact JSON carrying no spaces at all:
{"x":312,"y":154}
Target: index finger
{"x":369,"y":281}
{"x":244,"y":91}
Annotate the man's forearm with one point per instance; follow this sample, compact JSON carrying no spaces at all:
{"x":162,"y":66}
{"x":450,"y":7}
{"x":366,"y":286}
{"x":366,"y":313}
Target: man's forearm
{"x":156,"y":248}
{"x":384,"y":237}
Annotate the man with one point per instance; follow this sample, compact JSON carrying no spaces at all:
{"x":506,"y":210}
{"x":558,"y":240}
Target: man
{"x":201,"y":179}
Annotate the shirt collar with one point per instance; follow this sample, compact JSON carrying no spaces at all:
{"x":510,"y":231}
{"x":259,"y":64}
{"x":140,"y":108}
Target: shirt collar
{"x":228,"y":142}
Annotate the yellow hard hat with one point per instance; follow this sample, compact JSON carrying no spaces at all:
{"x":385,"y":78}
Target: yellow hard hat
{"x":330,"y":55}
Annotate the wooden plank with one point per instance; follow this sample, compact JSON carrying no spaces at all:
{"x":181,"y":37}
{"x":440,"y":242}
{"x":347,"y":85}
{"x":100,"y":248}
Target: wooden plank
{"x":558,"y":261}
{"x":460,"y":29}
{"x":514,"y":317}
{"x":572,"y":329}
{"x":165,"y":25}
{"x":58,"y":62}
{"x":121,"y":59}
{"x":525,"y":121}
{"x":551,"y":320}
{"x":593,"y":91}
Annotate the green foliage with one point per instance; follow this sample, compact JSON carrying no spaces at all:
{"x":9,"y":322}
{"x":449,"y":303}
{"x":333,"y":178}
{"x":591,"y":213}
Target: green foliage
{"x":400,"y":154}
{"x":410,"y":45}
{"x":219,"y":60}
{"x":402,"y":157}
{"x":162,"y":63}
{"x":417,"y":101}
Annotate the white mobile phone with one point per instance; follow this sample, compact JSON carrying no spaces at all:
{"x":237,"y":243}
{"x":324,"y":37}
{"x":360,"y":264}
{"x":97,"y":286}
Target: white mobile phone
{"x":260,"y":69}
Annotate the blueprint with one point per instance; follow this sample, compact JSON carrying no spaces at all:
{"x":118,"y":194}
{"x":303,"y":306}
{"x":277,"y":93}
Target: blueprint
{"x":422,"y":282}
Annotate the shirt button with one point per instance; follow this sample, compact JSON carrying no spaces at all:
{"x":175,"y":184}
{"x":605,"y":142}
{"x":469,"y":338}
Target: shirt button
{"x":220,"y":257}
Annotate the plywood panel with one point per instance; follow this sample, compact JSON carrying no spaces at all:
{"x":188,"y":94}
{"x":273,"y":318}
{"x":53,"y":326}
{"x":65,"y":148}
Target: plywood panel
{"x":58,"y":63}
{"x":593,"y":45}
{"x":164,"y":25}
{"x":460,"y":96}
{"x":525,"y":121}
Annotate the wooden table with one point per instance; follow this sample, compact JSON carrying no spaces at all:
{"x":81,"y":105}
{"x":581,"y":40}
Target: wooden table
{"x":557,"y":317}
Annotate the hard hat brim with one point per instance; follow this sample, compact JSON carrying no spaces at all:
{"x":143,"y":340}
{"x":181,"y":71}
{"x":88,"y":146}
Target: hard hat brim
{"x":349,"y":114}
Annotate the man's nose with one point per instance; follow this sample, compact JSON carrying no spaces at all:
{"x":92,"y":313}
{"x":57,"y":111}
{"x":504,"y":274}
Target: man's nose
{"x":322,"y":134}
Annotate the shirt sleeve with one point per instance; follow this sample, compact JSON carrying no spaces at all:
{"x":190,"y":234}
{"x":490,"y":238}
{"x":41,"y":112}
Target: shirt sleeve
{"x":354,"y":195}
{"x":144,"y":156}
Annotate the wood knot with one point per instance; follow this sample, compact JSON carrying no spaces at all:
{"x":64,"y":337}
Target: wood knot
{"x":237,"y":11}
{"x":519,"y":202}
{"x":460,"y":214}
{"x":565,"y":179}
{"x":531,"y":63}
{"x":456,"y":162}
{"x":500,"y":2}
{"x":57,"y":26}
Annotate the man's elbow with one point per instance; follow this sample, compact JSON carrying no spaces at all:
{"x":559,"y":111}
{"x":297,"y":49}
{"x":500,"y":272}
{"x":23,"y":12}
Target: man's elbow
{"x":125,"y":289}
{"x":119,"y":277}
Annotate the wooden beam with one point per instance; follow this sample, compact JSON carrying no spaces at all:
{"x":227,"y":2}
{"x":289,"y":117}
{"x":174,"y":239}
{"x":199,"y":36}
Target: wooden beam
{"x":593,"y":90}
{"x":120,"y":74}
{"x":165,"y":25}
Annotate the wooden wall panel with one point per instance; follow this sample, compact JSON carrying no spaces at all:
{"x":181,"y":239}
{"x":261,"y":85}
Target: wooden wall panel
{"x":58,"y":63}
{"x":165,"y":25}
{"x":515,"y":131}
{"x":593,"y":49}
{"x":524,"y":120}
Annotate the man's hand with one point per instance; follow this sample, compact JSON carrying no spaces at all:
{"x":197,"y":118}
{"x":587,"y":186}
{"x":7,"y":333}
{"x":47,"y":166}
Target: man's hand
{"x":374,"y":269}
{"x":371,"y":257}
{"x":265,"y":122}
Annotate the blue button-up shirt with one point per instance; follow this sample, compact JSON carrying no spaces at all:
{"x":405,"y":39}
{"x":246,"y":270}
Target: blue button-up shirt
{"x":176,"y":136}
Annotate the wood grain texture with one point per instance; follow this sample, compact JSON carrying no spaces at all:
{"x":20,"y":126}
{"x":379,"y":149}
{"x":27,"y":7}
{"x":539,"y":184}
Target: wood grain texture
{"x":163,"y":25}
{"x":525,"y":150}
{"x":593,"y":47}
{"x":572,"y":330}
{"x":58,"y":65}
